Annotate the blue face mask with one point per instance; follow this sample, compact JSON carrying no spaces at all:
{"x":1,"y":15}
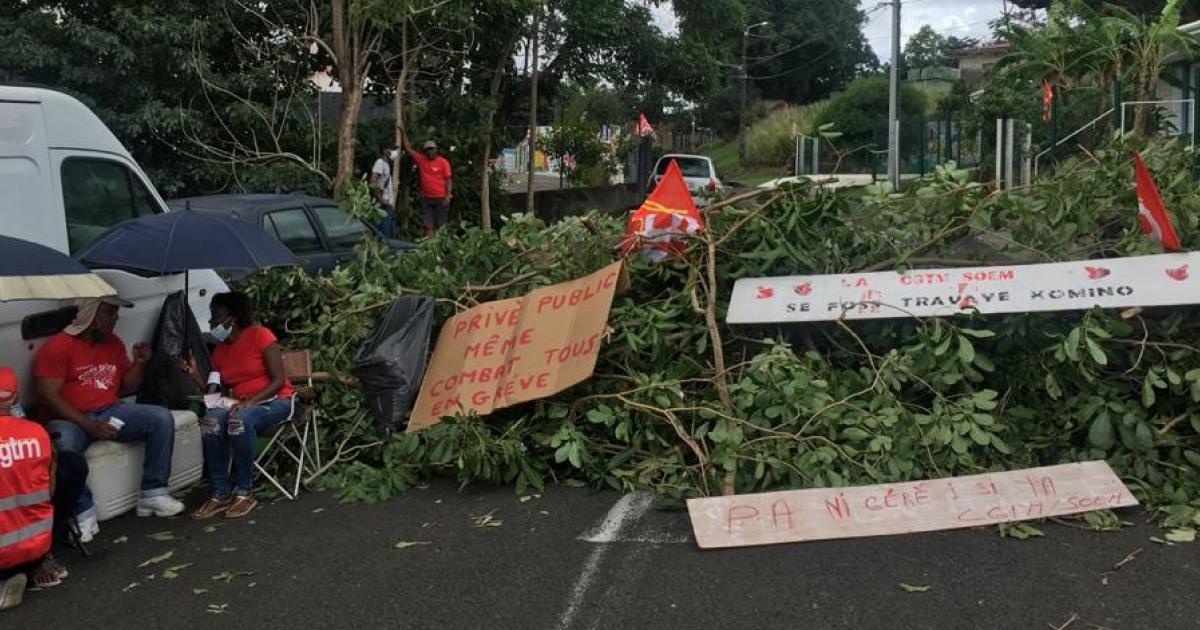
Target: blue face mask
{"x":221,"y":333}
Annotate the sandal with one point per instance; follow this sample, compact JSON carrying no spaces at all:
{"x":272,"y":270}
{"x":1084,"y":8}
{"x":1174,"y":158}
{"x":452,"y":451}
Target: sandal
{"x":241,"y":506}
{"x":211,"y":508}
{"x":43,"y":577}
{"x":57,"y":566}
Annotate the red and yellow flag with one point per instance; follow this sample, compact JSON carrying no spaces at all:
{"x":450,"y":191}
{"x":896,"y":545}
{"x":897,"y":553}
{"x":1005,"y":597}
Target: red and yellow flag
{"x":662,"y":224}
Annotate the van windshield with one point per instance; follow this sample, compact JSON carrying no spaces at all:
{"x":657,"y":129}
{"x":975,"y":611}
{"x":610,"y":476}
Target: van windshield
{"x":691,"y":167}
{"x":98,"y":194}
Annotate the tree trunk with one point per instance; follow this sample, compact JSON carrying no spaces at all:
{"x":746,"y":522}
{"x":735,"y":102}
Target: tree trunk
{"x":347,"y":130}
{"x":347,"y":68}
{"x":533,"y":130}
{"x":489,"y":122}
{"x":398,"y":193}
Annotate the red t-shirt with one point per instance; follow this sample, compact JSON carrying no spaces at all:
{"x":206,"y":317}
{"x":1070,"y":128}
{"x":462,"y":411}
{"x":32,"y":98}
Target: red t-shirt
{"x":434,"y":174}
{"x":91,"y":372}
{"x":242,"y":366}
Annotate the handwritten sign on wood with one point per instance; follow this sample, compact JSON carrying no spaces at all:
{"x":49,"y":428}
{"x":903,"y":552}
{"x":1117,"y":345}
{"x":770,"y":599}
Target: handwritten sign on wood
{"x":1160,"y":280}
{"x":825,"y":513}
{"x":511,"y":351}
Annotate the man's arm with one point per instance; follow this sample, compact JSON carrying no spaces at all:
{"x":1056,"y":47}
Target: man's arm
{"x":132,"y":379}
{"x":50,"y":394}
{"x":408,"y":148}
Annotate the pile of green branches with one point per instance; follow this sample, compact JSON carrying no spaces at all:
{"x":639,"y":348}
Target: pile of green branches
{"x":686,"y":405}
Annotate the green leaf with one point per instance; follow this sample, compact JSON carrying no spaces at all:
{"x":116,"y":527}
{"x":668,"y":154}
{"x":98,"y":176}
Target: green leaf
{"x":1148,"y":395}
{"x":1181,"y":535}
{"x":912,"y":588}
{"x":1072,"y":345}
{"x":1097,"y":352}
{"x":855,"y":434}
{"x":156,"y":559}
{"x":966,"y":351}
{"x":978,"y":334}
{"x":1101,"y":434}
{"x":407,"y":544}
{"x":1145,"y":438}
{"x":170,"y":573}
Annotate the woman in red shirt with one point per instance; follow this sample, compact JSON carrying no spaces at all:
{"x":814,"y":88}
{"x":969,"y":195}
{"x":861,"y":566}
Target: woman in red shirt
{"x":258,"y":396}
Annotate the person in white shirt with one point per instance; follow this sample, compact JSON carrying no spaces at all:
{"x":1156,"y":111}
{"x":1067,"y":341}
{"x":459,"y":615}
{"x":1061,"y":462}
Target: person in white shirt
{"x":381,"y":188}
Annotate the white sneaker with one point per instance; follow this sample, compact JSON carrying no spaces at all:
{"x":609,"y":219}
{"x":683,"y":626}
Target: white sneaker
{"x":12,"y":591}
{"x":88,"y":527}
{"x":163,"y":505}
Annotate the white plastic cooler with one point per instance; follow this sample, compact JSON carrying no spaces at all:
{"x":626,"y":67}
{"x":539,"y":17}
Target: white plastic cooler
{"x":115,"y":469}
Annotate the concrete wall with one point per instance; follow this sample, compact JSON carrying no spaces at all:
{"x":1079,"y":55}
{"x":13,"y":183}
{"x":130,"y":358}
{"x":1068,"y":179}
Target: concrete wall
{"x":554,"y":205}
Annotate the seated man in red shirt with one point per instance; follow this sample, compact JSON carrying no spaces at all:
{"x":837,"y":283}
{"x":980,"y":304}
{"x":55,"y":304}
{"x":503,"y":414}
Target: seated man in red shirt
{"x":81,"y":375}
{"x":435,"y":177}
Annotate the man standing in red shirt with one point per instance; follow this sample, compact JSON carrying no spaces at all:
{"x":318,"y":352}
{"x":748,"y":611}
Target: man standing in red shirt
{"x":81,"y":373}
{"x":436,"y":193}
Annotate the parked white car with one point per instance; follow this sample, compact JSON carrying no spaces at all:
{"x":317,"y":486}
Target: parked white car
{"x":698,"y":171}
{"x":64,"y":179}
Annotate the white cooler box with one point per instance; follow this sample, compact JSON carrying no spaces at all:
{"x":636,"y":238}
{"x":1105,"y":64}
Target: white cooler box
{"x":115,"y":469}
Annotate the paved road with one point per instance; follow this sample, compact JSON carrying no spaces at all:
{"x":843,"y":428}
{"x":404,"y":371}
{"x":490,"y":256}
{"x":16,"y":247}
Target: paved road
{"x":315,"y":563}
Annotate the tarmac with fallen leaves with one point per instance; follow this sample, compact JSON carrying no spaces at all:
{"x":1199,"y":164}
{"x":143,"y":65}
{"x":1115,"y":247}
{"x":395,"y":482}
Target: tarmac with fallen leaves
{"x":443,"y":558}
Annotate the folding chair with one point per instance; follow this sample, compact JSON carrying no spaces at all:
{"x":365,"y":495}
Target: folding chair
{"x":291,"y":441}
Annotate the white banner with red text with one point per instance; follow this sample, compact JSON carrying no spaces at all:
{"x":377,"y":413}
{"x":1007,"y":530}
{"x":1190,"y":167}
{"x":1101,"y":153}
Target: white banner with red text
{"x":1159,"y":280}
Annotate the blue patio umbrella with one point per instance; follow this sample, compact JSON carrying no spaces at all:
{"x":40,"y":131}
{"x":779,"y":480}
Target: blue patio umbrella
{"x":180,"y":241}
{"x":30,"y":271}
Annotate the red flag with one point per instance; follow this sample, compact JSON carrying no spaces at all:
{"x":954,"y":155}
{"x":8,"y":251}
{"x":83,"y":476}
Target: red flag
{"x":1047,"y":100}
{"x":665,"y":220}
{"x":643,"y":126}
{"x":1152,"y":214}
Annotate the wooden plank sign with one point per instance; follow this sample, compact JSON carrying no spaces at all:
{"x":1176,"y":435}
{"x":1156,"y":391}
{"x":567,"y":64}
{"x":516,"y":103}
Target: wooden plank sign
{"x":900,"y":508}
{"x":511,"y":351}
{"x":1160,"y":280}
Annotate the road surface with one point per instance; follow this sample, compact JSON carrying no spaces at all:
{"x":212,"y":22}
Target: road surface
{"x":576,"y":559}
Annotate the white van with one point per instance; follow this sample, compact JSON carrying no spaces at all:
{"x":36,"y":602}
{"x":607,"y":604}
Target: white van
{"x":64,"y":179}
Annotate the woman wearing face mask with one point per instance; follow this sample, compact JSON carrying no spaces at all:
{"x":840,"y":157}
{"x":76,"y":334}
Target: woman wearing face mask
{"x":250,"y":365}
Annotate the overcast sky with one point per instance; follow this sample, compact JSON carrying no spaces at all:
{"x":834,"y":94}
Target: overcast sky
{"x":949,"y":17}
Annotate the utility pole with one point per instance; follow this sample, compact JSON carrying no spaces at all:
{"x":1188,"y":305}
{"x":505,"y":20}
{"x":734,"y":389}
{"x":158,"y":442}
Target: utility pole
{"x":533,"y":107}
{"x":894,"y":102}
{"x":745,"y":80}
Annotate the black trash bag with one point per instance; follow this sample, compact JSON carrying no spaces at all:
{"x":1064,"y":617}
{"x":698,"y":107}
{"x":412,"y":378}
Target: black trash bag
{"x":392,"y":361}
{"x":175,"y":336}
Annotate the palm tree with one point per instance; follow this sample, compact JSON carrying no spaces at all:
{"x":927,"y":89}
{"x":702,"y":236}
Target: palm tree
{"x":1145,"y":47}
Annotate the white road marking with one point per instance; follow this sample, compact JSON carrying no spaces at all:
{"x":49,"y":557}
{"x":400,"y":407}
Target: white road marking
{"x":627,"y":509}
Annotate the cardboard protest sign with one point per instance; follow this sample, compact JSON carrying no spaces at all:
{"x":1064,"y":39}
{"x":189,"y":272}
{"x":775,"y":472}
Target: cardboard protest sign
{"x":511,"y":351}
{"x":899,"y":508}
{"x":1160,"y":280}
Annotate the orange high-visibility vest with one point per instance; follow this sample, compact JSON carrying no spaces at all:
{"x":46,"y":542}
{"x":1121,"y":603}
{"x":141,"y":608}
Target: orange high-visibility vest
{"x":26,"y":514}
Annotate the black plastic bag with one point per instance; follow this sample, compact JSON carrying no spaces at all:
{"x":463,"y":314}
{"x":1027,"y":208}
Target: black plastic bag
{"x":391,"y":363}
{"x":175,"y":336}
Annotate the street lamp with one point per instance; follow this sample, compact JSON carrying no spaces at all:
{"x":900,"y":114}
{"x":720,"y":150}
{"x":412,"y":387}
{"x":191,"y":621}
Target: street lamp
{"x":745,"y":78}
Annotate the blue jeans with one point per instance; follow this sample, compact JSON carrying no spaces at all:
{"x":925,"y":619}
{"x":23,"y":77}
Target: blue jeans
{"x":151,"y":424}
{"x":214,"y":429}
{"x":387,"y":224}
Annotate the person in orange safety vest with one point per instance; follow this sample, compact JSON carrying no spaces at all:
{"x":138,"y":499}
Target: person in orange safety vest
{"x":27,"y":499}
